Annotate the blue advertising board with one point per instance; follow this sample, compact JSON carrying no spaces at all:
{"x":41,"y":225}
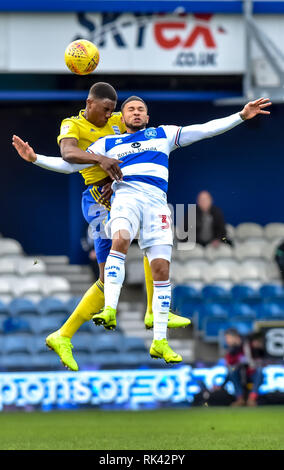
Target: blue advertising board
{"x":131,"y":389}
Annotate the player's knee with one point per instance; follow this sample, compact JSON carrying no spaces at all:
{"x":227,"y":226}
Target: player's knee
{"x":160,"y":270}
{"x":121,"y":241}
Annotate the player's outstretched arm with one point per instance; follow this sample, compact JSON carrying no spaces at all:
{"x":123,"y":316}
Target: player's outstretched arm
{"x":190,"y":134}
{"x":71,"y":153}
{"x":253,"y":108}
{"x":48,"y":163}
{"x":24,"y":149}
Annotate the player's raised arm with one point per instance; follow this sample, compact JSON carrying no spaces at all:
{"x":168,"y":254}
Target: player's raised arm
{"x":194,"y":133}
{"x":49,"y":163}
{"x":71,"y":153}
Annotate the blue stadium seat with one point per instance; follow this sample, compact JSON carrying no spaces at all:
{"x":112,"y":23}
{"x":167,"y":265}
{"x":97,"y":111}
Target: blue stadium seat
{"x":22,"y":305}
{"x":51,"y":306}
{"x":185,"y":298}
{"x":212,"y":328}
{"x":72,"y":303}
{"x":245,"y":293}
{"x":243,"y":325}
{"x":83,"y":342}
{"x":215,"y":293}
{"x":47,"y":324}
{"x":16,"y":325}
{"x":108,"y":342}
{"x":134,"y":352}
{"x":242,"y":310}
{"x":271,"y":292}
{"x":20,"y":343}
{"x":4,"y":309}
{"x":132,"y":344}
{"x":270,"y":311}
{"x":107,"y":348}
{"x":209,"y":310}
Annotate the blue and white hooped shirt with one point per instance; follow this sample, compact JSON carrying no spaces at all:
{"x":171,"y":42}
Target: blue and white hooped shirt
{"x":144,"y":156}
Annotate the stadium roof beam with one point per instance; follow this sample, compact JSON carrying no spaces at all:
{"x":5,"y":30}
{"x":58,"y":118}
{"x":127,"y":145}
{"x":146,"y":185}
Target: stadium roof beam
{"x":273,"y":57}
{"x":139,"y":6}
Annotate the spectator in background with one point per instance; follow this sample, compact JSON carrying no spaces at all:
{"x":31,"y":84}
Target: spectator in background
{"x":244,"y":359}
{"x":210,"y":223}
{"x":279,"y":258}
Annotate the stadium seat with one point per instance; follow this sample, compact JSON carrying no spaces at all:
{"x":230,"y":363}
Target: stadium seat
{"x":184,"y":294}
{"x":221,"y":270}
{"x":271,"y":292}
{"x":212,"y":328}
{"x":216,"y":293}
{"x":274,"y":230}
{"x":272,"y":271}
{"x":72,"y":303}
{"x":6,"y":292}
{"x":252,"y":270}
{"x":30,"y":266}
{"x":221,"y":251}
{"x":245,"y":293}
{"x":193,"y":270}
{"x":247,"y":230}
{"x":55,"y":287}
{"x":270,"y":311}
{"x":4,"y":309}
{"x":242,"y":310}
{"x":7,"y":266}
{"x":250,"y":250}
{"x":83,"y":342}
{"x":19,"y":343}
{"x":22,"y":305}
{"x":107,"y":348}
{"x":16,"y":325}
{"x":27,"y":287}
{"x":49,"y":323}
{"x":243,"y":325}
{"x":10,"y":247}
{"x":196,"y":253}
{"x":209,"y":310}
{"x":52,"y":305}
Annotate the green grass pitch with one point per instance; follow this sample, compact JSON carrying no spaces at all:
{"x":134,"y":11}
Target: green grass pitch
{"x":168,"y":429}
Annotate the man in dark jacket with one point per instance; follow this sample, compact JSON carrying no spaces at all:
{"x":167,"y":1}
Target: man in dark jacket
{"x":210,"y":223}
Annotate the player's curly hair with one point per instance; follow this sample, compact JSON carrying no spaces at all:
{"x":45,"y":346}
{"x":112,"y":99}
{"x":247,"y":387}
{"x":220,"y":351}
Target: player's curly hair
{"x":102,"y":90}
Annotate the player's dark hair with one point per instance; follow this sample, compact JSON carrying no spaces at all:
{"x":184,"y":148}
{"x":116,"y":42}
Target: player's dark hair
{"x":102,"y":90}
{"x":133,"y":98}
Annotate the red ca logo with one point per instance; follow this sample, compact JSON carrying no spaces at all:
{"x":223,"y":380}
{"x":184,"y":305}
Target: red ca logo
{"x":199,"y":31}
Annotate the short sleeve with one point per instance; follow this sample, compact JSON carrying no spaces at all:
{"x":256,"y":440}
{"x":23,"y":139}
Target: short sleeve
{"x":68,"y":128}
{"x":173,"y":135}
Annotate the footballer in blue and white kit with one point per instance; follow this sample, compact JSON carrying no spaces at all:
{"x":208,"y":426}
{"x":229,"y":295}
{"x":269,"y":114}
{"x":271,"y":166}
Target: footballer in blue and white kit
{"x":140,"y":202}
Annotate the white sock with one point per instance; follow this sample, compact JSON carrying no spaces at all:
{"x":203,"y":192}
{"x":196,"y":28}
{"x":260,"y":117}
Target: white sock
{"x":161,"y":307}
{"x":114,"y":277}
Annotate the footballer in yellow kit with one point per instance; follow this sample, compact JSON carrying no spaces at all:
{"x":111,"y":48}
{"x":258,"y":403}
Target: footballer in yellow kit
{"x":77,"y":133}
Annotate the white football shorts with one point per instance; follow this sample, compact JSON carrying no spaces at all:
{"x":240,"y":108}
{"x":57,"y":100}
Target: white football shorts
{"x":146,"y":217}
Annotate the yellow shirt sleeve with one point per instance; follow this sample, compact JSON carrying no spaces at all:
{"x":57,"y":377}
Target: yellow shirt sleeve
{"x":68,"y":128}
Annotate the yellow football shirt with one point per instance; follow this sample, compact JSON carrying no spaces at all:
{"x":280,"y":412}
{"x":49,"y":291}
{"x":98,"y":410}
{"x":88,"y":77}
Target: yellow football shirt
{"x":86,"y":134}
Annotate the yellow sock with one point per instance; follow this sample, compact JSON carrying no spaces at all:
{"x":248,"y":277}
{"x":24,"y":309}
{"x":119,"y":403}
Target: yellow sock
{"x":149,"y":284}
{"x":91,"y":303}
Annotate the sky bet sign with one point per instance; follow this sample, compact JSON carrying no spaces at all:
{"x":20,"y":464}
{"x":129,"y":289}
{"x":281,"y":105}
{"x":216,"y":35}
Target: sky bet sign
{"x":132,"y":389}
{"x":128,"y":42}
{"x":163,"y":43}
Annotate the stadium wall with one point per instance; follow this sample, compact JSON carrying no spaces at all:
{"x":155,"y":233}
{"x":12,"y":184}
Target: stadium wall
{"x":243,"y":170}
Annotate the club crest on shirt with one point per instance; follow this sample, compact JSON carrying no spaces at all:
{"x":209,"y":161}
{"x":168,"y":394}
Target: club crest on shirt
{"x":150,"y":133}
{"x":116,"y":129}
